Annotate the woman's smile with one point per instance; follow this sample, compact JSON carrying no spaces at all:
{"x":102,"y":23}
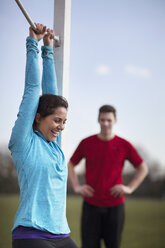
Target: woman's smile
{"x":51,"y":125}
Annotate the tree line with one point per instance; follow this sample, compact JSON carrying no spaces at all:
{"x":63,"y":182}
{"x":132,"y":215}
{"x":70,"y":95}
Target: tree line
{"x":153,"y":185}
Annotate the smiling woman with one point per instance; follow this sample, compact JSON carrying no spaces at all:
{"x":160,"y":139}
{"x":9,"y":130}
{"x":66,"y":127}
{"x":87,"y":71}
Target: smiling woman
{"x":51,"y":116}
{"x":40,"y":163}
{"x":51,"y":125}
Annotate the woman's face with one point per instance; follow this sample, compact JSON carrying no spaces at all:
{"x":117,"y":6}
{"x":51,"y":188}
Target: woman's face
{"x":51,"y":125}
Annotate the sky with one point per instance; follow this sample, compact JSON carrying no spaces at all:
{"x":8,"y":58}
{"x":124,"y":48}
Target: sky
{"x":117,"y":57}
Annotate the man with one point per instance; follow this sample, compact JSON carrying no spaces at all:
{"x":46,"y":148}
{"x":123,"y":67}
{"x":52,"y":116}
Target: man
{"x":103,"y":191}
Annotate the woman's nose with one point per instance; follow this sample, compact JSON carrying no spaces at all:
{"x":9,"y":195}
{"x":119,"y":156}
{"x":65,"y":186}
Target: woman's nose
{"x":61,"y":126}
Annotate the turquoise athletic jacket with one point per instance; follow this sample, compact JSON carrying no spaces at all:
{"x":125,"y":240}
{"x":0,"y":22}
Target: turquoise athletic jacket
{"x":40,"y":165}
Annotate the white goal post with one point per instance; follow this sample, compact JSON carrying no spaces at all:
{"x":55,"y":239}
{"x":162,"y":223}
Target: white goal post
{"x":62,"y":23}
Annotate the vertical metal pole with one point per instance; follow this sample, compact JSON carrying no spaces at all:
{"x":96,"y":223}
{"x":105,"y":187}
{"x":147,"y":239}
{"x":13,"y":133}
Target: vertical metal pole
{"x":62,"y":21}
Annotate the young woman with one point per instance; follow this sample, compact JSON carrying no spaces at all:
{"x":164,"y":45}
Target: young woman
{"x":40,"y":220}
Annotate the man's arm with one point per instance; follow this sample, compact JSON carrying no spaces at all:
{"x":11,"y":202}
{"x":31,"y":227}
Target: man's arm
{"x":120,"y":189}
{"x":84,"y":190}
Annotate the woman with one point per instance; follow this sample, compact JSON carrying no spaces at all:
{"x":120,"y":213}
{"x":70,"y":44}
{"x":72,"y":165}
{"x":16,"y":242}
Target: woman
{"x":42,"y":172}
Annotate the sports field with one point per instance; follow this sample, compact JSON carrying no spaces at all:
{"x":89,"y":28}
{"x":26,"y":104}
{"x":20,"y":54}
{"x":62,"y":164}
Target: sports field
{"x":144,"y":226}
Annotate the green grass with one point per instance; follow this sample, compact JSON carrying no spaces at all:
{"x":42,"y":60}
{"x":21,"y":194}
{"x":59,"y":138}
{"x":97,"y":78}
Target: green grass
{"x":144,"y":225}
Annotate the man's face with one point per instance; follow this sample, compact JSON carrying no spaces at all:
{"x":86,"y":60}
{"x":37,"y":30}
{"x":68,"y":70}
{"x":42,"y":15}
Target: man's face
{"x":106,"y":121}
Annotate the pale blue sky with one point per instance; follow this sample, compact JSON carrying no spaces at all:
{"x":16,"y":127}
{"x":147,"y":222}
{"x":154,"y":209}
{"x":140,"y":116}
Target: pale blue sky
{"x":117,"y":56}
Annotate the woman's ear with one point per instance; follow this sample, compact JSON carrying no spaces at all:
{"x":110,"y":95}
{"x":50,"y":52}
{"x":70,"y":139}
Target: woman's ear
{"x":37,"y":118}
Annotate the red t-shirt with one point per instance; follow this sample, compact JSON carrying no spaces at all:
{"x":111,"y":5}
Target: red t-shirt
{"x":104,"y":165}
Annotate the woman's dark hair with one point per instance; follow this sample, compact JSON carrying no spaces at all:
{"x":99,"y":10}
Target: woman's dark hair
{"x":49,"y":102}
{"x":106,"y":109}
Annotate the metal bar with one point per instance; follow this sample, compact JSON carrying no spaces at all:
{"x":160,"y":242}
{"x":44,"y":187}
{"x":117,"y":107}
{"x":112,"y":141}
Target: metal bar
{"x":32,"y":24}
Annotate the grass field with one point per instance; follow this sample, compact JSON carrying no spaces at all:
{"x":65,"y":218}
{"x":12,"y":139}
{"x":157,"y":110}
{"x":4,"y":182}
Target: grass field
{"x":144,"y":226}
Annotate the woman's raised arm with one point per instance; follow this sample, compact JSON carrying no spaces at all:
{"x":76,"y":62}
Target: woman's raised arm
{"x":23,"y":128}
{"x":49,"y":81}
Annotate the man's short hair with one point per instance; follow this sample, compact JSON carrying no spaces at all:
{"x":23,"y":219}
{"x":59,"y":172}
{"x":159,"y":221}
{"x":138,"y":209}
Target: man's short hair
{"x":107,"y":109}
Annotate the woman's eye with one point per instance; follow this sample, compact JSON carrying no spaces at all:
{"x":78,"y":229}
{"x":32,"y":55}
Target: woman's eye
{"x":57,"y":121}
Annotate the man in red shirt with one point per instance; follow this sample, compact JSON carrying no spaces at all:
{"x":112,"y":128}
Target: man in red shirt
{"x":103,"y":192}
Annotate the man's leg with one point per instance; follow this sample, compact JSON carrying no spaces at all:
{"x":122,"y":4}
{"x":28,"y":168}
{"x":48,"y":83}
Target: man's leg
{"x":90,"y":226}
{"x":113,"y":226}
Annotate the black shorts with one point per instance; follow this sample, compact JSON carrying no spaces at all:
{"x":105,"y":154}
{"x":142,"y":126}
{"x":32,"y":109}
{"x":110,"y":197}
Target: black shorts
{"x":102,"y":223}
{"x":44,"y":243}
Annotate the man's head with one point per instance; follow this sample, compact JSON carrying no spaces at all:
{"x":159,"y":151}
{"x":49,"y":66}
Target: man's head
{"x":107,"y":118}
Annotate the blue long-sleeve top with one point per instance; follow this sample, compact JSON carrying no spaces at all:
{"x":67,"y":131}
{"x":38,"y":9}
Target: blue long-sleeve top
{"x":40,"y":165}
